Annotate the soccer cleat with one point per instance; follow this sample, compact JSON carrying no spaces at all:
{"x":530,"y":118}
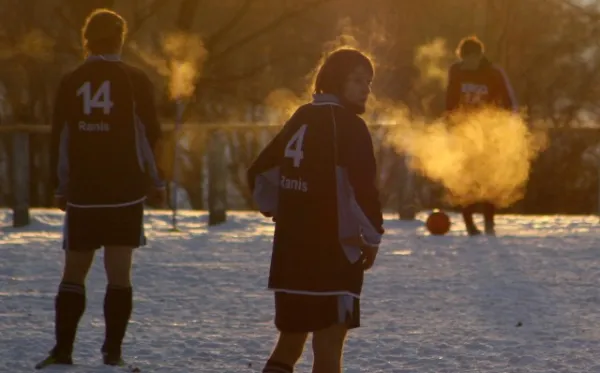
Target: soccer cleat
{"x":490,"y":231}
{"x":473,"y":232}
{"x":117,"y":361}
{"x":111,"y":358}
{"x":54,"y":359}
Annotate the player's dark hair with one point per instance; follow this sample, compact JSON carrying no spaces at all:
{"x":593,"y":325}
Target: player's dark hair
{"x":335,"y":68}
{"x":470,"y":46}
{"x":104,"y":32}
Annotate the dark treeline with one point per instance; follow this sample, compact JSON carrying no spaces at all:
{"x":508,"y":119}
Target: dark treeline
{"x":254,"y":57}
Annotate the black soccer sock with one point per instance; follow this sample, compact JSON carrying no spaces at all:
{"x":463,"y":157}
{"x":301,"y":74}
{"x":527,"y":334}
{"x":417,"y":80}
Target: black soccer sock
{"x":69,"y":305}
{"x":276,"y":367}
{"x":118,"y":303}
{"x":489,"y":211}
{"x":467,"y":214}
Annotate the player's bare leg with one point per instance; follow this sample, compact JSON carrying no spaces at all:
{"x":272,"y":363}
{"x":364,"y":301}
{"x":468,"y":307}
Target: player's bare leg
{"x":287,"y":352}
{"x":77,"y":266}
{"x":118,"y":301}
{"x":328,"y":349}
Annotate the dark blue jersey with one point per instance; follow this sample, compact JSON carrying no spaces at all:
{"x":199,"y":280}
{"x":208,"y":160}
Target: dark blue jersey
{"x":104,"y":131}
{"x":317,"y":178}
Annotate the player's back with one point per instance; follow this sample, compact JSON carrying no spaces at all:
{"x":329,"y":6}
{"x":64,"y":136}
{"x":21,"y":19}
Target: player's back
{"x":307,"y":186}
{"x":307,"y":252}
{"x":478,"y":87}
{"x":317,"y":177}
{"x":99,"y":147}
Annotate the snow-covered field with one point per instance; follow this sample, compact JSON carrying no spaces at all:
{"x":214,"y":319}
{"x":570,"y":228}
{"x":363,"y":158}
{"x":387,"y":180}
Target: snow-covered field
{"x":525,"y":301}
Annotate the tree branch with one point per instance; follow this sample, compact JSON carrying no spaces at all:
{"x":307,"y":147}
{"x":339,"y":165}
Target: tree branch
{"x":140,"y":17}
{"x":237,"y":77}
{"x":267,"y":28}
{"x":217,"y":36}
{"x":249,"y":73}
{"x":186,"y":15}
{"x":594,"y":15}
{"x":578,"y":101}
{"x":66,"y":19}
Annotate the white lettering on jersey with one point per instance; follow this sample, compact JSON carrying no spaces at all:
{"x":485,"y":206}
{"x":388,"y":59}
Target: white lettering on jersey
{"x":294,"y":184}
{"x":473,"y":94}
{"x":93,"y":127}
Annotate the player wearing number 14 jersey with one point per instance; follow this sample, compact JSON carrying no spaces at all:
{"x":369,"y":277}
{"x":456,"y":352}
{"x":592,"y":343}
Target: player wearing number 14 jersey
{"x":474,"y":82}
{"x":317,"y":180}
{"x":104,"y":133}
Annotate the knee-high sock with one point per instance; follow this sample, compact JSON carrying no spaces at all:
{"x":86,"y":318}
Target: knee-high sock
{"x":69,"y":306}
{"x":118,"y":303}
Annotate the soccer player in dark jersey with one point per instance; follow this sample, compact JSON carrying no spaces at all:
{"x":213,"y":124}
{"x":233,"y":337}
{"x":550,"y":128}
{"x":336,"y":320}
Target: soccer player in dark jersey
{"x":316,"y":178}
{"x":104,"y":131}
{"x":475,"y":82}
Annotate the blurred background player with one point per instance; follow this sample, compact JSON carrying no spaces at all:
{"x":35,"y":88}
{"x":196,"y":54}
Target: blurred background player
{"x":104,"y":131}
{"x":474,"y":82}
{"x":317,"y":179}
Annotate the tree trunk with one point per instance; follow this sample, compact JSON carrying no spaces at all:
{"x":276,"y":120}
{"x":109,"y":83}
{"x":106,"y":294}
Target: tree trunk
{"x":186,"y":15}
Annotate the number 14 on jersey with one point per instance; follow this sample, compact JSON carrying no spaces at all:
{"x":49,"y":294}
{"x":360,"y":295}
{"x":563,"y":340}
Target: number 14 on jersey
{"x":100,"y":99}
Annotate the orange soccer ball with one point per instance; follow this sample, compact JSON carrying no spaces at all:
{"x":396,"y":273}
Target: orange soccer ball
{"x":438,"y":223}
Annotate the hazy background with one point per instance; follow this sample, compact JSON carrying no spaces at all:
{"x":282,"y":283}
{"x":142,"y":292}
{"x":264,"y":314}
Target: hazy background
{"x":249,"y":61}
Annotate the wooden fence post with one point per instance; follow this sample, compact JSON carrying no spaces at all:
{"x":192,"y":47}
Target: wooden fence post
{"x":20,"y":178}
{"x":217,"y":177}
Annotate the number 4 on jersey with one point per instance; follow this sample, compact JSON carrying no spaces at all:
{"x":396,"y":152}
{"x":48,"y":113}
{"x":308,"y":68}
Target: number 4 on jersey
{"x":100,"y":100}
{"x":293,"y":148}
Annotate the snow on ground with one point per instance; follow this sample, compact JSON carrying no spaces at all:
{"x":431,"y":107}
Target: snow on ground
{"x":525,"y":301}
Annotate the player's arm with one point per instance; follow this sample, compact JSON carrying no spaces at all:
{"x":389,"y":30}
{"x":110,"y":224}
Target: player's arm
{"x":267,"y":159}
{"x":263,"y":175}
{"x":58,"y":145}
{"x":452,"y":90}
{"x":362,"y":174}
{"x":506,"y":93}
{"x":358,"y":157}
{"x":146,"y":112}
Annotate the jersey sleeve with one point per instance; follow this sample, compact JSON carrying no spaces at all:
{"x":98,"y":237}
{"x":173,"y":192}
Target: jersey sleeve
{"x":266,"y":160}
{"x":58,"y":141}
{"x":146,"y":110}
{"x":149,"y":128}
{"x":452,"y":90}
{"x":358,"y":156}
{"x":264,"y":173}
{"x":505,"y":93}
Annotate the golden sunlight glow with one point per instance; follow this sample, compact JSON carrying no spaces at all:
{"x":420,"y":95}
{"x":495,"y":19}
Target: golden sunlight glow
{"x":481,"y":155}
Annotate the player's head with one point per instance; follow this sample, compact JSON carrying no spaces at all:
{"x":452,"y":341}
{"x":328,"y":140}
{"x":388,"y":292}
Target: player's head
{"x":470,"y":50}
{"x":103,"y":32}
{"x":346,"y":73}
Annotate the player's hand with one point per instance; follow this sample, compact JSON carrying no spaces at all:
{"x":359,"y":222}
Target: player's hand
{"x":369,"y":254}
{"x":60,"y":202}
{"x":369,"y":251}
{"x":157,"y":197}
{"x":268,"y":214}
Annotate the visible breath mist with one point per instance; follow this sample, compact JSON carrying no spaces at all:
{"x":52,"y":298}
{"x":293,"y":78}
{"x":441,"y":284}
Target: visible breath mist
{"x":483,"y":155}
{"x":181,"y":62}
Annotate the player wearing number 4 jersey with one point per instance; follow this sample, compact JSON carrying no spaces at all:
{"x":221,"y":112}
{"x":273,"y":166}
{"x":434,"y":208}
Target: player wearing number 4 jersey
{"x":317,"y":180}
{"x":104,"y":132}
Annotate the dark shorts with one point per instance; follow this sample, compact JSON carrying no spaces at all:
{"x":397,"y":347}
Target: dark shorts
{"x":299,"y":313}
{"x":93,"y":228}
